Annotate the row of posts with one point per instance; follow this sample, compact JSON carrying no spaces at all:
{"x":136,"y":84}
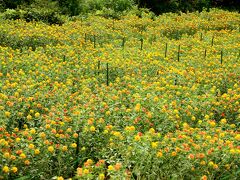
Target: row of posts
{"x":166,"y":46}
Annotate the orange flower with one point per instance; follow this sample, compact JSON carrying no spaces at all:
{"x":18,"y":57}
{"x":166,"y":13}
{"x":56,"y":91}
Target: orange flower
{"x":117,"y":166}
{"x":174,"y":153}
{"x":191,"y":156}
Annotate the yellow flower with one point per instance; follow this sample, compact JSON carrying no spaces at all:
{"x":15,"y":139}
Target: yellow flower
{"x":237,"y":137}
{"x":233,"y":126}
{"x":7,"y":114}
{"x":154,"y":145}
{"x":215,"y":166}
{"x":27,"y":162}
{"x":74,"y":145}
{"x":37,"y":114}
{"x":29,"y":117}
{"x":85,"y":171}
{"x":211,"y":163}
{"x":110,"y":168}
{"x":42,"y":135}
{"x":60,"y":178}
{"x":79,"y":171}
{"x":137,"y":138}
{"x":75,"y":135}
{"x":137,"y":107}
{"x":32,"y":131}
{"x":6,"y":155}
{"x":37,"y":151}
{"x":92,"y":128}
{"x":5,"y":169}
{"x":64,"y":148}
{"x":212,"y":124}
{"x":173,"y":153}
{"x":22,"y":155}
{"x":207,"y":117}
{"x":51,"y":149}
{"x":31,"y":146}
{"x":227,"y":166}
{"x":14,"y":169}
{"x":155,"y":99}
{"x":13,"y":157}
{"x":89,"y":162}
{"x":232,"y":151}
{"x":159,"y":154}
{"x":152,"y":130}
{"x":149,"y":115}
{"x":223,"y":121}
{"x":108,"y":113}
{"x":101,"y":176}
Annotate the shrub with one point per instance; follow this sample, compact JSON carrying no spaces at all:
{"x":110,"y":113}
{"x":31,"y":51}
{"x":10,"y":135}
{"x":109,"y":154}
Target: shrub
{"x":46,"y":16}
{"x":33,"y":42}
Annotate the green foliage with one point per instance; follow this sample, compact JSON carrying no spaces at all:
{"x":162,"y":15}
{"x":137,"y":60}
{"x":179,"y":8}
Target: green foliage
{"x":46,"y":16}
{"x":175,"y":5}
{"x":103,"y":7}
{"x":162,"y":6}
{"x":12,"y":4}
{"x":33,"y":42}
{"x":70,"y":7}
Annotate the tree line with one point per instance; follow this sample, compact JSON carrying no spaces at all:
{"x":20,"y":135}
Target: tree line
{"x":75,"y":7}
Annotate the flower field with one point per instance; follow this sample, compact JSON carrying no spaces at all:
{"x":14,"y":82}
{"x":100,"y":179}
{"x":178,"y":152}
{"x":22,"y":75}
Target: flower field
{"x":135,"y":98}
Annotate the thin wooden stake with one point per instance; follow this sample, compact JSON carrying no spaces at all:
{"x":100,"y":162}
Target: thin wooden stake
{"x":212,"y":40}
{"x":98,"y":67}
{"x":123,"y":42}
{"x":141,"y":44}
{"x":221,"y":56}
{"x":113,"y":24}
{"x":179,"y":52}
{"x":205,"y":53}
{"x":166,"y":48}
{"x":107,"y":75}
{"x":201,"y":37}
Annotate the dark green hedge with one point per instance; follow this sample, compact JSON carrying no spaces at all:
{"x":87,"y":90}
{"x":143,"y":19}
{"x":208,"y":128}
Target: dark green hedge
{"x":162,"y":6}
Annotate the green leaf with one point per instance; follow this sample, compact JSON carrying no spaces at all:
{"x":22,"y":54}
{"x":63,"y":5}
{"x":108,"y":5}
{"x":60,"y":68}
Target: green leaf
{"x":23,"y":178}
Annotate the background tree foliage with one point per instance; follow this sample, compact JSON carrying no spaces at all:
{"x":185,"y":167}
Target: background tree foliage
{"x":45,"y":9}
{"x":162,"y":6}
{"x":75,"y":7}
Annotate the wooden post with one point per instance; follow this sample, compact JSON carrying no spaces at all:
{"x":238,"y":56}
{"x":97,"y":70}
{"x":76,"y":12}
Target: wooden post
{"x":175,"y":81}
{"x":221,"y":56}
{"x":201,"y":37}
{"x":166,"y":48}
{"x":113,"y":24}
{"x":205,"y":53}
{"x":212,"y":40}
{"x":179,"y":52}
{"x":98,"y":67}
{"x":107,"y":75}
{"x":123,"y":42}
{"x":85,"y":37}
{"x":141,"y":44}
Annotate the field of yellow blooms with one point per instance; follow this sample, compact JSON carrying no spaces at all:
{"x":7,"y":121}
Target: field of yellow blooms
{"x":135,"y":98}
